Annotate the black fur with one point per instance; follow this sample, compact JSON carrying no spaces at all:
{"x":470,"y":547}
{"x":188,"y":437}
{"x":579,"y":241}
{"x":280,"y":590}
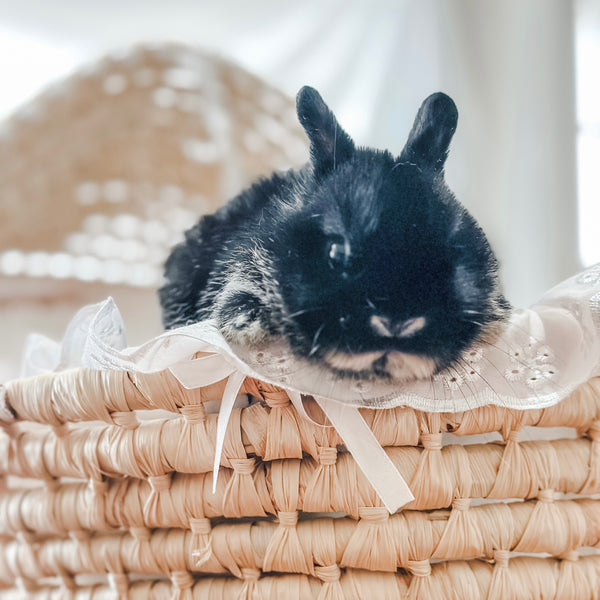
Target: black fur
{"x":316,"y":255}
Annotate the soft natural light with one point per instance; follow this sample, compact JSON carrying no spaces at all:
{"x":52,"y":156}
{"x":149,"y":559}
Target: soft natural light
{"x":27,"y":64}
{"x":588,"y":147}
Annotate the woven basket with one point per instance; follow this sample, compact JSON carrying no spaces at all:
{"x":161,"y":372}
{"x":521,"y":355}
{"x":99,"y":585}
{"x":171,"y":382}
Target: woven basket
{"x":107,"y":494}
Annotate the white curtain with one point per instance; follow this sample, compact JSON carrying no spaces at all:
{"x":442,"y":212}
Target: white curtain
{"x":510,"y":67}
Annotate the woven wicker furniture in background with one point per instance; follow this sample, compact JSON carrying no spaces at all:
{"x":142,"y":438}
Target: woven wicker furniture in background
{"x":135,"y":147}
{"x":101,"y":174}
{"x":108,"y":474}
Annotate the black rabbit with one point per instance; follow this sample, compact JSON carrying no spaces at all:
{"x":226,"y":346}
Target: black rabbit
{"x":362,"y":262}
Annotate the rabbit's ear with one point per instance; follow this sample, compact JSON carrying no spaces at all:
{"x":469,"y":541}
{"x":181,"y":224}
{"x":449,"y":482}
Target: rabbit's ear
{"x":429,"y":138}
{"x":330,"y":145}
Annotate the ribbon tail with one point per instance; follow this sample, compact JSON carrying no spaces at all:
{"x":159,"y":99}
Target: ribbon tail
{"x":296,"y":400}
{"x":201,"y":372}
{"x":370,"y":457}
{"x":232,"y":388}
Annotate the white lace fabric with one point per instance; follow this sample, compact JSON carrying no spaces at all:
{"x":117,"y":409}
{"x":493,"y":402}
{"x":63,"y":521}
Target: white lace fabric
{"x":544,"y":353}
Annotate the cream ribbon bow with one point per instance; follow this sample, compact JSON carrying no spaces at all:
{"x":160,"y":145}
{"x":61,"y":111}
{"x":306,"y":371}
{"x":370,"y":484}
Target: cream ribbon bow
{"x":95,"y":339}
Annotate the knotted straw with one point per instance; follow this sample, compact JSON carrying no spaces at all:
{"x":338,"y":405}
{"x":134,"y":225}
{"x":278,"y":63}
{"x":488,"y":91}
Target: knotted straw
{"x":96,"y":484}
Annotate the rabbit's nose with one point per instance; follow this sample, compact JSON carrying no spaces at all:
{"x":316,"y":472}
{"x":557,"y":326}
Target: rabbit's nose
{"x":385,"y":327}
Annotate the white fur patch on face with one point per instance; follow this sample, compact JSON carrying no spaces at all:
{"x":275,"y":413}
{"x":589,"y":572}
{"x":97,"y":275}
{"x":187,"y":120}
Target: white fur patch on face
{"x":398,"y":365}
{"x":381,"y":325}
{"x":407,"y":367}
{"x":352,"y":362}
{"x":411,"y":326}
{"x":384,"y":327}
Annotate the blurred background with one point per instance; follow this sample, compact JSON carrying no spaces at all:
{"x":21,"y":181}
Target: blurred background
{"x":105,"y":161}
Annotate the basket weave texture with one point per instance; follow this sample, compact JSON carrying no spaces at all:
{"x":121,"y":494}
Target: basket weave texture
{"x":107,"y":493}
{"x":100,"y":175}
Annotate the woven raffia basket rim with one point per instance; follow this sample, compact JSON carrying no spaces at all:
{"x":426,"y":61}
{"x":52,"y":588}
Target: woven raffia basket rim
{"x":125,"y":460}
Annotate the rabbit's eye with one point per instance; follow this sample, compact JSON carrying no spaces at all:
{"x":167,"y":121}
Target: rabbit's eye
{"x":338,"y":253}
